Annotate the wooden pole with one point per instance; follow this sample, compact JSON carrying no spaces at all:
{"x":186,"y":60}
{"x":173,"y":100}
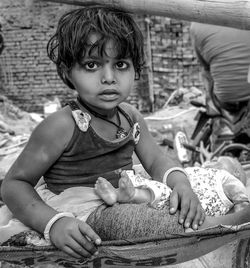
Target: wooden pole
{"x":150,"y":66}
{"x":231,"y":13}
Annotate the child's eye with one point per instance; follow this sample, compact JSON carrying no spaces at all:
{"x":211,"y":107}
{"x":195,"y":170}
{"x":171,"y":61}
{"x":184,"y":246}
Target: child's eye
{"x":121,"y":65}
{"x":91,"y":65}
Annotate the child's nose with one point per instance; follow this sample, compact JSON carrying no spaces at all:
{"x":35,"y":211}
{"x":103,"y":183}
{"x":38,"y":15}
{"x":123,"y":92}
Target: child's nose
{"x":108,"y":75}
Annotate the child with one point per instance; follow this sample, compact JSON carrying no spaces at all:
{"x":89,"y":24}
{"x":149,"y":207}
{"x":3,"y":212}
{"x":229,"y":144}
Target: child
{"x":217,"y":189}
{"x":98,"y":51}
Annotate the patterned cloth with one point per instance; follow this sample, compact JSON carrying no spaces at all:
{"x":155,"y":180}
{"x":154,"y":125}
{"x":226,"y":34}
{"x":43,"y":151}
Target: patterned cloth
{"x":207,"y":185}
{"x":218,"y":190}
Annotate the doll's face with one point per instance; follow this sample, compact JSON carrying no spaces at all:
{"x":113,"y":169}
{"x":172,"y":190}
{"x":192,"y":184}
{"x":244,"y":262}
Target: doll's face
{"x":229,"y":164}
{"x":213,"y":163}
{"x":221,"y":162}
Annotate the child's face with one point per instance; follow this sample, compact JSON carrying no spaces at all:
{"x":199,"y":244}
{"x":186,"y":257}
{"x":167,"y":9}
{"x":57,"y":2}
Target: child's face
{"x":103,"y":82}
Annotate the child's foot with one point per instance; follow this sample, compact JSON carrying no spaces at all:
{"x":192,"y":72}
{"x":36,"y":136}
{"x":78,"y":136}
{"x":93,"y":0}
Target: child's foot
{"x":106,"y":191}
{"x":126,"y":190}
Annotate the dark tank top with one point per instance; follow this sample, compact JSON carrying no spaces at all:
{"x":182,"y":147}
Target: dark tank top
{"x":89,"y":156}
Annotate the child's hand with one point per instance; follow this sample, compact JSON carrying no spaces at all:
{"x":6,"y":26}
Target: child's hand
{"x":191,"y":212}
{"x":74,"y":237}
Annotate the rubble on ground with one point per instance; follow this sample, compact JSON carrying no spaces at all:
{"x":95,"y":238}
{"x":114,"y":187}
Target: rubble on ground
{"x":177,"y":113}
{"x":15,"y":128}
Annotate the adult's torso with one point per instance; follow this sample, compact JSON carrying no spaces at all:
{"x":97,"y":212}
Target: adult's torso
{"x":227,"y":52}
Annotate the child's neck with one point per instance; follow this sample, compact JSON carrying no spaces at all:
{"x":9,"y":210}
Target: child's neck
{"x":97,"y":111}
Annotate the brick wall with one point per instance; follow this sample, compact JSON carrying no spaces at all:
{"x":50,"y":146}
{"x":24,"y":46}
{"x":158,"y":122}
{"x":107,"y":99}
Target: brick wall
{"x":174,"y":61}
{"x":28,"y":78}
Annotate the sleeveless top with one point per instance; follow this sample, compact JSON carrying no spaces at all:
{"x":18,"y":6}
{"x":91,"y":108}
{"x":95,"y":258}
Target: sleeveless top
{"x":89,"y":156}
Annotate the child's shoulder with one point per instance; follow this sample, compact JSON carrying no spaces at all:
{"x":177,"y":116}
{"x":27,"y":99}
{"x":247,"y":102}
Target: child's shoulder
{"x":58,"y":122}
{"x":61,"y":117}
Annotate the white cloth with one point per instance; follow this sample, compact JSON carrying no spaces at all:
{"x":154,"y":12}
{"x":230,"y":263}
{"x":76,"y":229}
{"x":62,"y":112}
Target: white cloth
{"x":81,"y":201}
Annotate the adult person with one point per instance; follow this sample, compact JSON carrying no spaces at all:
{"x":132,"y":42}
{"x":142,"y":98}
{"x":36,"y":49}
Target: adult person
{"x":224,"y":54}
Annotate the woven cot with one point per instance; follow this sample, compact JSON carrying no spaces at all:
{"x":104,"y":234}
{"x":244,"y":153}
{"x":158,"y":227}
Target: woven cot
{"x":142,"y":252}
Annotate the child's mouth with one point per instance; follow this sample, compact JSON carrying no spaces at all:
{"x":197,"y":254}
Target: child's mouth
{"x":109,"y":95}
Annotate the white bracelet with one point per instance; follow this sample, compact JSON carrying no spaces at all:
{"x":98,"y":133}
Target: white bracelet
{"x":165,"y":177}
{"x":52,"y":221}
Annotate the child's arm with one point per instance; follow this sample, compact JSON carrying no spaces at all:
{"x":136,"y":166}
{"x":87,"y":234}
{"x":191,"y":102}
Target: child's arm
{"x":46,"y":144}
{"x":156,"y":164}
{"x":240,"y":217}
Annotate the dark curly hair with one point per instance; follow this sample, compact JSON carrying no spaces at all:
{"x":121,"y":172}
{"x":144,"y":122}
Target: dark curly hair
{"x":70,"y":42}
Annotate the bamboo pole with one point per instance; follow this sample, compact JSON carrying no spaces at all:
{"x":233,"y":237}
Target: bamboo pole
{"x":150,"y":66}
{"x":231,"y":13}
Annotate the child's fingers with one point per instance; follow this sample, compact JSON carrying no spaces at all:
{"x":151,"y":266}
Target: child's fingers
{"x":71,"y":253}
{"x":183,"y":213}
{"x":196,"y":220}
{"x":86,"y":230}
{"x":203,"y":216}
{"x":76,"y":250}
{"x":190,"y":216}
{"x":174,"y":200}
{"x":196,"y":216}
{"x":82,"y":245}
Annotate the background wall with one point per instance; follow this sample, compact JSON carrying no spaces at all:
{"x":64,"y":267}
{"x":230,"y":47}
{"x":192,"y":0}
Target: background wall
{"x":29,"y":79}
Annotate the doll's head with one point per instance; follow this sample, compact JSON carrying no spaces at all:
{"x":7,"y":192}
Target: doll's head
{"x":230,"y":164}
